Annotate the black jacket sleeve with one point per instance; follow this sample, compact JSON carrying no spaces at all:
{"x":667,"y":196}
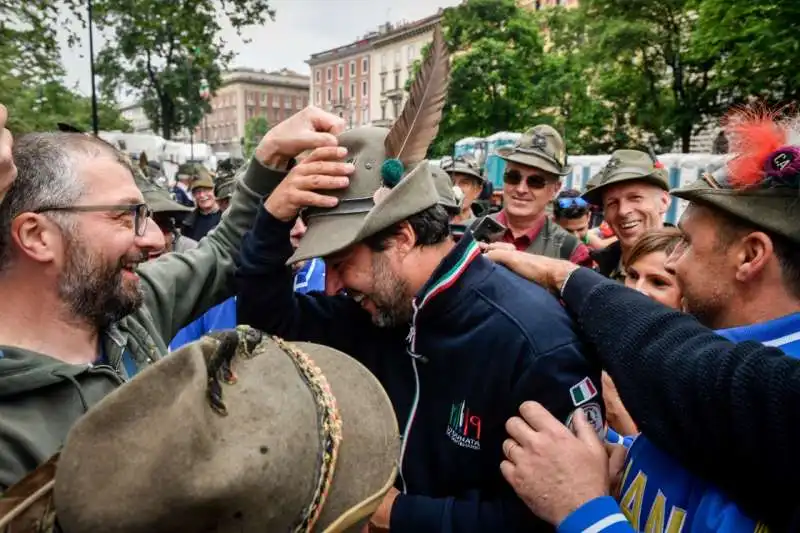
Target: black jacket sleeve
{"x":265,"y":298}
{"x":729,"y":412}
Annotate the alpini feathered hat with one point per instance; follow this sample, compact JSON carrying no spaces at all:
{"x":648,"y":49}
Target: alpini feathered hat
{"x":760,"y":183}
{"x":392,"y":180}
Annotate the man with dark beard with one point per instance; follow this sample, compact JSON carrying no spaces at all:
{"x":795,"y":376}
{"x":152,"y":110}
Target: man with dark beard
{"x":456,"y":341}
{"x":80,"y":315}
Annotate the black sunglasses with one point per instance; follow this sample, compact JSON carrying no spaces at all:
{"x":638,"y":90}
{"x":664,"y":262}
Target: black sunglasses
{"x":141,"y":213}
{"x":534,"y":181}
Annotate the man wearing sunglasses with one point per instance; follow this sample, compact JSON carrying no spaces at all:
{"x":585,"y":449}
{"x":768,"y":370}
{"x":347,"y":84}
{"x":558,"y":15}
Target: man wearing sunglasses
{"x":82,"y":309}
{"x":534,"y":169}
{"x":633,"y":191}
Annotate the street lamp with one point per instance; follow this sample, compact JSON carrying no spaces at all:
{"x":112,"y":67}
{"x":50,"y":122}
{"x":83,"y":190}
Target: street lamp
{"x":95,"y":125}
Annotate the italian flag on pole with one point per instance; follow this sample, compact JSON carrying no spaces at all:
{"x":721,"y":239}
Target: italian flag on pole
{"x":582,"y":392}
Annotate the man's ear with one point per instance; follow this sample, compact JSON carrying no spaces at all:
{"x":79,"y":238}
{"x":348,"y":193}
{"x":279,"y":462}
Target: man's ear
{"x":664,"y":202}
{"x":405,"y":239}
{"x":36,"y":237}
{"x":754,"y":251}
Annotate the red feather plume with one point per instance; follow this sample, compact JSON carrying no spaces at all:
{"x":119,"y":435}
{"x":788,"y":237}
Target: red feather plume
{"x":754,"y":134}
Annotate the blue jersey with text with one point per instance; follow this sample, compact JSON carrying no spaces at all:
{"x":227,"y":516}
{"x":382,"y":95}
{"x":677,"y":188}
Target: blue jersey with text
{"x":658,"y":494}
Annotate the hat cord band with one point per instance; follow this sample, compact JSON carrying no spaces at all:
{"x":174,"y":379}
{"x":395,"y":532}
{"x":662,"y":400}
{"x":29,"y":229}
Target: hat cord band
{"x":346,"y":206}
{"x":244,"y":342}
{"x":330,"y":425}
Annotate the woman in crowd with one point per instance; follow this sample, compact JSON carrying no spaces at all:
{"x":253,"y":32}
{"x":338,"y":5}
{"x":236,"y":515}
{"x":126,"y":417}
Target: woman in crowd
{"x":645,"y":272}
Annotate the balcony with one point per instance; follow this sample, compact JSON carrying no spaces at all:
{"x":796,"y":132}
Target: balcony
{"x":383,"y":123}
{"x":393,"y":94}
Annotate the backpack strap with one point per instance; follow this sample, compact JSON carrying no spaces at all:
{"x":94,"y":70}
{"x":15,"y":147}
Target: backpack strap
{"x":568,"y":246}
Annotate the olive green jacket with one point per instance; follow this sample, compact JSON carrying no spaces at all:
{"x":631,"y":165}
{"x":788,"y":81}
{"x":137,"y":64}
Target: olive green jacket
{"x":41,"y":397}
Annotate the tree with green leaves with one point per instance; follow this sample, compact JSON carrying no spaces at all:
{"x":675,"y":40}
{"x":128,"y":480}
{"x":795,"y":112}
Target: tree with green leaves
{"x":497,"y":54}
{"x":254,"y":131}
{"x":164,"y":51}
{"x":658,"y":86}
{"x":754,"y":46}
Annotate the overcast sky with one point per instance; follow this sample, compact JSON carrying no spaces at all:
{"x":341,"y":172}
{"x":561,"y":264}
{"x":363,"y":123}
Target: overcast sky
{"x":301,"y":28}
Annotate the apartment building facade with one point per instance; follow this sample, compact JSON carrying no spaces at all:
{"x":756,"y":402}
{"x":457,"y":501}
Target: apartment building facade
{"x":394,"y":51}
{"x":245,"y":94}
{"x":340,"y":81}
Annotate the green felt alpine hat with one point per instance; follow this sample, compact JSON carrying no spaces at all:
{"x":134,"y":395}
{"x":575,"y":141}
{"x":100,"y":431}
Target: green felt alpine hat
{"x":626,"y":166}
{"x":392,"y":180}
{"x":466,"y":166}
{"x":540,"y":147}
{"x":773,"y":206}
{"x":450,"y":196}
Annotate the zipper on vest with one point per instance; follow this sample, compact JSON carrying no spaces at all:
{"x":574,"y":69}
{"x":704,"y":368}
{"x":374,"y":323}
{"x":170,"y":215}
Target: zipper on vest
{"x":411,"y":340}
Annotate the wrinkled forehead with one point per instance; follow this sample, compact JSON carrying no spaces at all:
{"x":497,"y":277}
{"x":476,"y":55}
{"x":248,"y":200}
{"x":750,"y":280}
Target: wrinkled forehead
{"x":628,"y":188}
{"x":106,"y":180}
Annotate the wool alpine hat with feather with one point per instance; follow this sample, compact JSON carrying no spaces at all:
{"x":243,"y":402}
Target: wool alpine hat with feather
{"x":392,"y":181}
{"x":238,"y":432}
{"x":760,"y":184}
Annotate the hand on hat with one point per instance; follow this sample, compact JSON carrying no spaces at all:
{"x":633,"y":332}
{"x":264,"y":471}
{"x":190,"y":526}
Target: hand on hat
{"x":553,"y":470}
{"x":8,"y":171}
{"x":548,"y":272}
{"x":310,"y":128}
{"x":323,"y":169}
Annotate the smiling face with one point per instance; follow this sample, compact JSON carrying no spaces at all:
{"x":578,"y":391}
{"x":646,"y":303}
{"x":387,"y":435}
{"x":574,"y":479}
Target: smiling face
{"x":205,"y":199}
{"x":650,"y":276}
{"x":527,"y":197}
{"x":101,"y":251}
{"x":633,"y":208}
{"x":372,"y":279}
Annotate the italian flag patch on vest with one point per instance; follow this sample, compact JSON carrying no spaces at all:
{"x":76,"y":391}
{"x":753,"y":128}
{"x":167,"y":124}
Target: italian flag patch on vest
{"x":582,"y":391}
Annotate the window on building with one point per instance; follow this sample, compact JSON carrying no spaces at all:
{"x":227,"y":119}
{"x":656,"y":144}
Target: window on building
{"x":365,"y":116}
{"x":396,"y":79}
{"x":396,"y":108}
{"x":397,"y":59}
{"x":318,"y":75}
{"x":352,"y":68}
{"x":383,"y":82}
{"x":352,"y":91}
{"x":364,"y":88}
{"x":383,"y":61}
{"x":263,"y":98}
{"x":329,"y":96}
{"x":340,"y":94}
{"x":340,"y":71}
{"x":411,"y":52}
{"x":383,"y":111}
{"x":329,"y":74}
{"x":316,"y":98}
{"x":364,"y":65}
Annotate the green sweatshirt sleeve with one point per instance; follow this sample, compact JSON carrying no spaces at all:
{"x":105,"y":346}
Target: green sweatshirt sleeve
{"x":179,"y":287}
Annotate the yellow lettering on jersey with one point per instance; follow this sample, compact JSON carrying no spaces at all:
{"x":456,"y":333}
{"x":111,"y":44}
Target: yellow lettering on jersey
{"x":677,"y":517}
{"x":655,"y":519}
{"x":631,"y":503}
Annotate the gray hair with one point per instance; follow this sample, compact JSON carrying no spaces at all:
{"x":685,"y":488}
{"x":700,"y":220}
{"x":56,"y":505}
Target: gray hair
{"x":47,"y":176}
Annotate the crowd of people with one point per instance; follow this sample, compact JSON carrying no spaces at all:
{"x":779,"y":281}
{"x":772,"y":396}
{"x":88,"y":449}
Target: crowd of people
{"x":341,"y":336}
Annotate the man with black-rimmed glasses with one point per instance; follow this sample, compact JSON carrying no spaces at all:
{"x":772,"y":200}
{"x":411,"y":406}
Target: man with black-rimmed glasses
{"x":81,"y":308}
